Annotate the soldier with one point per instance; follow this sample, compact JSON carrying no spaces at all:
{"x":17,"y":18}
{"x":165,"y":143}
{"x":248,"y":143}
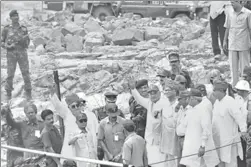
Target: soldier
{"x":110,"y":97}
{"x":138,"y":112}
{"x":176,"y":69}
{"x":16,"y":40}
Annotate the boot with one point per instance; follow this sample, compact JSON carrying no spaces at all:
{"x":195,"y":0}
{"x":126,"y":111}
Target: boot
{"x":28,"y":95}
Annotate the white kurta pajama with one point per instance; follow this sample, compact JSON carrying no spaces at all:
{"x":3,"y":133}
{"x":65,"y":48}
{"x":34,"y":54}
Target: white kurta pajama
{"x":199,"y":133}
{"x":226,"y":118}
{"x":71,"y":127}
{"x":154,"y":128}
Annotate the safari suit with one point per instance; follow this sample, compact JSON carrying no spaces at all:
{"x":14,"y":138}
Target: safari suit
{"x":17,"y":54}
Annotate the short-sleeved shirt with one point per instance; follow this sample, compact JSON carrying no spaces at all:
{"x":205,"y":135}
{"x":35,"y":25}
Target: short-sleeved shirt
{"x":239,"y":25}
{"x":134,"y":149}
{"x":107,"y":133}
{"x":31,"y":132}
{"x":51,"y":138}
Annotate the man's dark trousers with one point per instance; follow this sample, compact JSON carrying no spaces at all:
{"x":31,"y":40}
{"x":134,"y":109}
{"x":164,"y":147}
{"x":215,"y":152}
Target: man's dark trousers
{"x":217,"y":28}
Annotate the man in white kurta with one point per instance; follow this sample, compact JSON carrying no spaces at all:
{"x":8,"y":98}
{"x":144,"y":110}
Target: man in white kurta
{"x":158,"y":111}
{"x":226,"y":119}
{"x":62,"y":109}
{"x":198,"y":136}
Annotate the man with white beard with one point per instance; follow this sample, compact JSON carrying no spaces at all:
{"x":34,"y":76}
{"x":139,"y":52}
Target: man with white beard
{"x":159,"y":115}
{"x":226,"y":119}
{"x":198,"y":137}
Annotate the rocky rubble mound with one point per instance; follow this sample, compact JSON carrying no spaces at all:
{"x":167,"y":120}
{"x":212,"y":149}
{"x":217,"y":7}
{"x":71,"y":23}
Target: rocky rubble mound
{"x":94,"y":55}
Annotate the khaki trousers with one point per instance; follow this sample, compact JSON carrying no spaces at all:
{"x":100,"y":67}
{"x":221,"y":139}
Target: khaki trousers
{"x":238,"y":60}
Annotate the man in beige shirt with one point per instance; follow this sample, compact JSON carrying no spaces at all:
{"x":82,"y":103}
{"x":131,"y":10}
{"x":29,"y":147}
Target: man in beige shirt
{"x":238,"y":24}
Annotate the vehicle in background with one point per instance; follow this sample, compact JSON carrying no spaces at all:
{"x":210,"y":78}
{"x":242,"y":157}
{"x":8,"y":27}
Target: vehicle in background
{"x":145,"y":8}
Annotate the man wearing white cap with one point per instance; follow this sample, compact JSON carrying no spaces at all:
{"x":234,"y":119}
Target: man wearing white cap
{"x":241,"y":98}
{"x":159,"y":116}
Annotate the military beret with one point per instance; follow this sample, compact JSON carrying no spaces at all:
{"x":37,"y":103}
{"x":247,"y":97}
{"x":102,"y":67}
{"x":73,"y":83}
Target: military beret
{"x":13,"y":13}
{"x":129,"y":125}
{"x":200,"y":87}
{"x":195,"y":92}
{"x":141,"y":83}
{"x":173,"y":57}
{"x":247,"y":71}
{"x":218,"y":85}
{"x":180,"y":78}
{"x":183,"y":94}
{"x":111,"y":93}
{"x":153,"y":88}
{"x":81,"y":116}
{"x":164,"y":73}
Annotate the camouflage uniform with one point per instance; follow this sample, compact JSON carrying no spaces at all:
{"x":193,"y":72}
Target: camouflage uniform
{"x":138,"y":115}
{"x":17,"y":54}
{"x":13,"y":137}
{"x":101,"y":113}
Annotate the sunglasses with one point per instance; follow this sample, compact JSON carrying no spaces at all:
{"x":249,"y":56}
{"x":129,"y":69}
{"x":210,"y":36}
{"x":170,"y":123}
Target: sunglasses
{"x":183,"y":83}
{"x":82,"y":120}
{"x":74,"y":106}
{"x":111,"y":97}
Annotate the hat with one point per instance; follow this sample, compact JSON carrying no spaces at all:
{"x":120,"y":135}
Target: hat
{"x":218,"y":84}
{"x":200,"y":87}
{"x":13,"y":13}
{"x":247,"y":71}
{"x":111,"y":93}
{"x":72,"y":98}
{"x":129,"y":125}
{"x":243,"y":85}
{"x":81,"y":116}
{"x":180,"y":78}
{"x":164,"y":73}
{"x":195,"y":92}
{"x":141,"y":83}
{"x":174,"y":57}
{"x":183,"y":94}
{"x":153,"y":88}
{"x":112,"y":109}
{"x":69,"y":163}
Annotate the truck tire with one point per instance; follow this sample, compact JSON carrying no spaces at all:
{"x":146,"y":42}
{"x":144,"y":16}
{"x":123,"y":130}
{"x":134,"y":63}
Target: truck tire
{"x":101,"y":12}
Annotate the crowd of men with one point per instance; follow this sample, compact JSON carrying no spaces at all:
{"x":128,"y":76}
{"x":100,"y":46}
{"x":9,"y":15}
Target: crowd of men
{"x":174,"y":123}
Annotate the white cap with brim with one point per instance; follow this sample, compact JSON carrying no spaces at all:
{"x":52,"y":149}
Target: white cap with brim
{"x":243,"y":85}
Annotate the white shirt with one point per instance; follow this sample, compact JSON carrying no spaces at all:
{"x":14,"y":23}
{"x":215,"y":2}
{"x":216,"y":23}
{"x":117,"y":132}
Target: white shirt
{"x":181,"y":121}
{"x":217,"y":7}
{"x":226,"y":119}
{"x":199,"y":133}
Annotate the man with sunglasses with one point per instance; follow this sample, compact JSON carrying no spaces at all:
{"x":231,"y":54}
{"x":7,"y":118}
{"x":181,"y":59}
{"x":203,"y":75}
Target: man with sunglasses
{"x":176,"y":69}
{"x":82,"y":141}
{"x":226,"y":120}
{"x":111,"y":134}
{"x":159,"y":114}
{"x":68,"y":109}
{"x":110,"y":97}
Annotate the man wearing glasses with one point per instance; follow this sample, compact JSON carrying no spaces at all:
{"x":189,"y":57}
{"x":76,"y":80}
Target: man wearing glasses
{"x":159,"y":114}
{"x":176,"y":69}
{"x":68,"y":109}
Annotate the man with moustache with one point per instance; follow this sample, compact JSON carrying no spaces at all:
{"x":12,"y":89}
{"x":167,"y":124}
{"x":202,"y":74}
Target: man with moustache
{"x":176,"y":69}
{"x":51,"y":138}
{"x":111,"y":135}
{"x":159,"y":115}
{"x":16,"y":40}
{"x":138,"y":112}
